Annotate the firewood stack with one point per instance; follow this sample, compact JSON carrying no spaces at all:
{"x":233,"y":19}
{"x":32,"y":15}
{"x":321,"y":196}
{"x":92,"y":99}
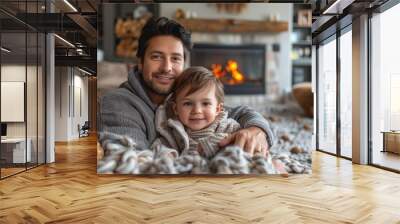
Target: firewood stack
{"x":232,"y":8}
{"x":128,"y":31}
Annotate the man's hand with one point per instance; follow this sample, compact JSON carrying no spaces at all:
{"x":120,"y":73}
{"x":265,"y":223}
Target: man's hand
{"x":253,"y":140}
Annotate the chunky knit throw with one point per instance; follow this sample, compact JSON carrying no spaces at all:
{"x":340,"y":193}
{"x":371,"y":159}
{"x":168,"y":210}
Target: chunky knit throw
{"x":121,"y":155}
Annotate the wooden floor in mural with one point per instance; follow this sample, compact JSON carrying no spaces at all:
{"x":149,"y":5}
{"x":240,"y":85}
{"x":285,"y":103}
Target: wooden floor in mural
{"x":70,"y":191}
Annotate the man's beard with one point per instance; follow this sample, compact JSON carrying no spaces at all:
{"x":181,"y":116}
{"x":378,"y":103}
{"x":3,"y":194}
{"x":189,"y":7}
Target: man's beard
{"x":153,"y":88}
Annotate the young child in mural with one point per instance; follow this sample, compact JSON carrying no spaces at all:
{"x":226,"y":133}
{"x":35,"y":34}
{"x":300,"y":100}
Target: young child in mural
{"x":192,"y":119}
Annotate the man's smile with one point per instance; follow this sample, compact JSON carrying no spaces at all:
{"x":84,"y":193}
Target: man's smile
{"x":164,"y":79}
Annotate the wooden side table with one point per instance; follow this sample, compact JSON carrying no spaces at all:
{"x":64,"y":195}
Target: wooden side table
{"x":391,"y":141}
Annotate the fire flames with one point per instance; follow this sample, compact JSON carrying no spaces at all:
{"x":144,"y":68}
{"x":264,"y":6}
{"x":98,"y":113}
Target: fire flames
{"x":236,"y":77}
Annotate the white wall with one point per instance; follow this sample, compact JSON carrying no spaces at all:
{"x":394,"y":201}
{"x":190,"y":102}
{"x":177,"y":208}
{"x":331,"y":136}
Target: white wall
{"x":68,"y":83}
{"x":62,"y":81}
{"x":14,"y":73}
{"x":17,"y":73}
{"x":33,"y":127}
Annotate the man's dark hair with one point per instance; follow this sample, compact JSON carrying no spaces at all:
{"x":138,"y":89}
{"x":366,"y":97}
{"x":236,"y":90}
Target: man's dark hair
{"x":162,"y":26}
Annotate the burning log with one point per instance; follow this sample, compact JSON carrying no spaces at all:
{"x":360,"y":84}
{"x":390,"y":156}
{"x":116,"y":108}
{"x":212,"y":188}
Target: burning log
{"x":232,"y":68}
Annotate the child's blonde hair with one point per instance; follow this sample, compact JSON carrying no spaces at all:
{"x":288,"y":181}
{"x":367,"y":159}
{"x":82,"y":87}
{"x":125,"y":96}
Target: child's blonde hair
{"x":196,"y":78}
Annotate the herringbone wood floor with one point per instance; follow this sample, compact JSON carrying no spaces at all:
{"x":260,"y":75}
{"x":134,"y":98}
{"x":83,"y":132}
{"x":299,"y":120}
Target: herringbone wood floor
{"x":70,"y":191}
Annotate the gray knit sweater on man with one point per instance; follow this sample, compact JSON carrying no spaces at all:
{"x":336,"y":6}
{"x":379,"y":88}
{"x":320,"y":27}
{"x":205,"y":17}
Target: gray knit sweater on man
{"x":129,"y":111}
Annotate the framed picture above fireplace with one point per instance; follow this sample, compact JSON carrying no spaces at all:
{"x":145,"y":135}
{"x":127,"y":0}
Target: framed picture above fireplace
{"x":241,"y":68}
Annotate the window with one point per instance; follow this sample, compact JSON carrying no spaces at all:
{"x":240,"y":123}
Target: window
{"x":385,"y":86}
{"x":346,"y":94}
{"x":327,"y":96}
{"x":22,"y":75}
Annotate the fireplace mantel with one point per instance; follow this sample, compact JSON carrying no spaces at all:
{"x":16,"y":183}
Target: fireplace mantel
{"x":234,"y":25}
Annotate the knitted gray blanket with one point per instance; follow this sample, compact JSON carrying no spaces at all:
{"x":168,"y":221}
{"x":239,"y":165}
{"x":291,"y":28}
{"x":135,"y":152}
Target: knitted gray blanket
{"x":123,"y":157}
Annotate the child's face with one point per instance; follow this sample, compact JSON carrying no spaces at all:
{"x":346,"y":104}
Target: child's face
{"x":199,"y":109}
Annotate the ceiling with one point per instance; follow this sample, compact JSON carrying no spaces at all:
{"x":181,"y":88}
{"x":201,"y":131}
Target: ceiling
{"x":77,"y":26}
{"x":329,"y":16}
{"x":80,"y":27}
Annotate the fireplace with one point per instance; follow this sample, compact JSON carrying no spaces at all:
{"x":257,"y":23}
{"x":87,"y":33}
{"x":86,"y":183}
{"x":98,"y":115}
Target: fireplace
{"x":241,"y":68}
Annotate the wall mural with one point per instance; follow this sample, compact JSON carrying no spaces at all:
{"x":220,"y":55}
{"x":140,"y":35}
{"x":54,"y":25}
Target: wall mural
{"x":190,"y":131}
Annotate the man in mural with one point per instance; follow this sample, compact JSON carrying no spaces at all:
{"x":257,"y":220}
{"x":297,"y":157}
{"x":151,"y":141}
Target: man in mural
{"x":130,"y":109}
